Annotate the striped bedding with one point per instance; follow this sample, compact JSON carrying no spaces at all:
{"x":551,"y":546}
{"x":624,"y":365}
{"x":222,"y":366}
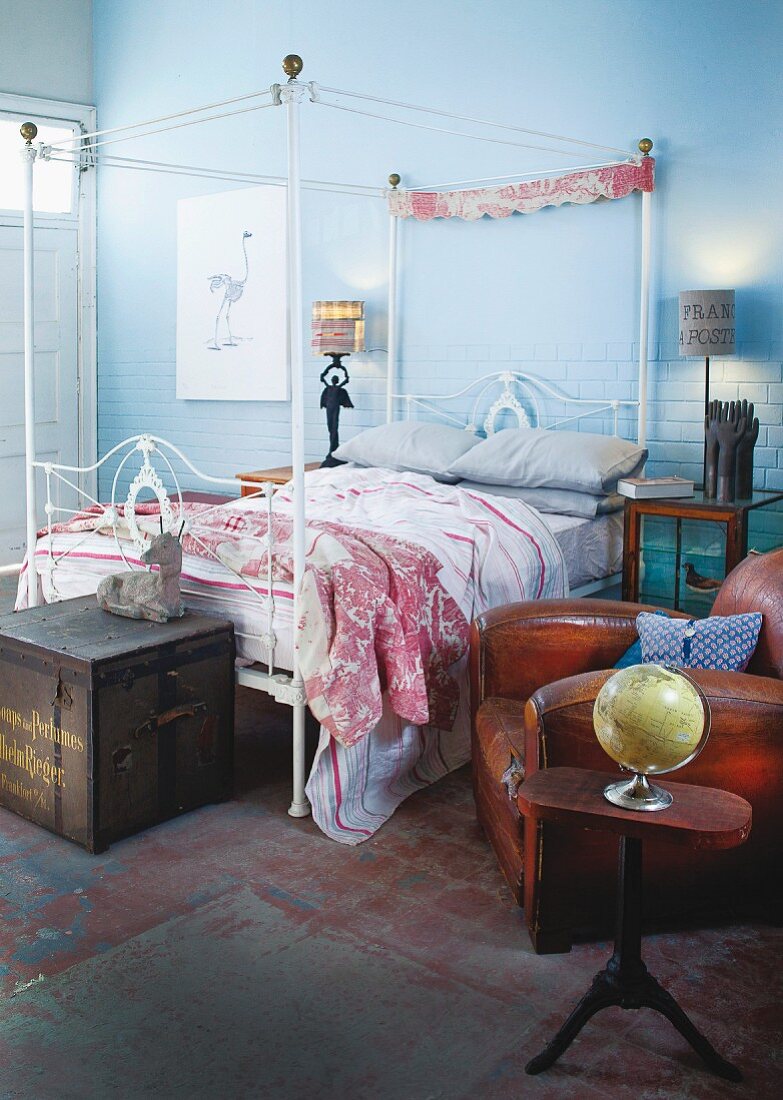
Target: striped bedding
{"x":491,"y":551}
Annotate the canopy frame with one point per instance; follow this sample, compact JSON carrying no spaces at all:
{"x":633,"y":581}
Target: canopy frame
{"x":290,"y":96}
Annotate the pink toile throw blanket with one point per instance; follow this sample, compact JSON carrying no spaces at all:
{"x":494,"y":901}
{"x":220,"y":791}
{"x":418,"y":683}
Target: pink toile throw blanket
{"x":373,"y":617}
{"x":377,"y":619}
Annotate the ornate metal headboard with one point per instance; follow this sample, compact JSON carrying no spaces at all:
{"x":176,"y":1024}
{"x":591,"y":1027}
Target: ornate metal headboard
{"x":517,"y":394}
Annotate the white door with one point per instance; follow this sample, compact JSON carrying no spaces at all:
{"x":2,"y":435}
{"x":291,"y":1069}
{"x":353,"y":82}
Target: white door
{"x":64,"y":221}
{"x":56,"y":373}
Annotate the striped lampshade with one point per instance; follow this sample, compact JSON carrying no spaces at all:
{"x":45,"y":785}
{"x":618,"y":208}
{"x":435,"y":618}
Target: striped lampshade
{"x":338,"y":327}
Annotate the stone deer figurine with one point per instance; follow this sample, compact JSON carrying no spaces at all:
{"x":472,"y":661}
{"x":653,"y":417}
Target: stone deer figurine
{"x":154,"y":596}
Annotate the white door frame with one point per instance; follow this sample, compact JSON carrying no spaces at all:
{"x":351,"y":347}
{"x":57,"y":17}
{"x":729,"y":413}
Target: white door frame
{"x":86,"y":224}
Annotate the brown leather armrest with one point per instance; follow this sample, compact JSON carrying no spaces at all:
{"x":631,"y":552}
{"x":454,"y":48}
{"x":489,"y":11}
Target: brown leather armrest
{"x":517,"y":648}
{"x":745,"y":743}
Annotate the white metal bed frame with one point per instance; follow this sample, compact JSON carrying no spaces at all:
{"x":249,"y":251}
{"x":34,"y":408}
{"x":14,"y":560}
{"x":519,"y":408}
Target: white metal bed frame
{"x":291,"y":96}
{"x":521,"y":395}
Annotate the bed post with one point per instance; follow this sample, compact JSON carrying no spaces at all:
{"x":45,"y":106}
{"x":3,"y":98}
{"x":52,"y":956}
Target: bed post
{"x":391,"y":367}
{"x":292,"y":94}
{"x":645,"y":145}
{"x":29,"y":131}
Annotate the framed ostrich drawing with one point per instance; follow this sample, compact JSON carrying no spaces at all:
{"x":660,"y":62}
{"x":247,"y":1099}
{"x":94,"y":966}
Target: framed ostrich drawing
{"x":231,"y":296}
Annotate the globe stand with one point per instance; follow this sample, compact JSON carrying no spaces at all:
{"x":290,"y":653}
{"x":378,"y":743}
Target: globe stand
{"x":637,"y":794}
{"x":626,"y":981}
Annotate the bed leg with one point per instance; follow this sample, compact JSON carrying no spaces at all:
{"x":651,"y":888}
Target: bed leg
{"x":299,"y":807}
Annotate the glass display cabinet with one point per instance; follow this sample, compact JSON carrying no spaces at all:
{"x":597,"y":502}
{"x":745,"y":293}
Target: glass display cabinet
{"x":678,"y":551}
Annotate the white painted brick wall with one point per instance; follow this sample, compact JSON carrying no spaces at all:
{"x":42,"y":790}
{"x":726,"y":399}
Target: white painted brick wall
{"x":137,"y":393}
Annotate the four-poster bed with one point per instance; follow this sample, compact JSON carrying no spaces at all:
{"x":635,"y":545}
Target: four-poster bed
{"x":514,"y":393}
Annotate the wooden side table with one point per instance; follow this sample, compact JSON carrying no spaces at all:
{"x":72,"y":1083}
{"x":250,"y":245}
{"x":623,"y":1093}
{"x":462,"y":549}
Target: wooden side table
{"x":733,"y":513}
{"x":699,"y":817}
{"x":277,"y":475}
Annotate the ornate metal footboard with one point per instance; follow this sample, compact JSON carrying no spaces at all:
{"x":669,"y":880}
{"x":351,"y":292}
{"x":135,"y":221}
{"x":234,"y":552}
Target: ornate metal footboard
{"x":122,"y":518}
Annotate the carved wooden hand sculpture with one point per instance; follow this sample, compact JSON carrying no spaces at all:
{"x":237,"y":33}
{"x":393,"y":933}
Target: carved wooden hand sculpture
{"x":731,"y":428}
{"x":711,"y":451}
{"x":744,"y":462}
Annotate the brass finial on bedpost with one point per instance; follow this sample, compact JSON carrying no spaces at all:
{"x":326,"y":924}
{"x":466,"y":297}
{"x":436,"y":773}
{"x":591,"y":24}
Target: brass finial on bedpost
{"x":394,"y":181}
{"x":292,"y":65}
{"x":29,"y":132}
{"x":645,"y":145}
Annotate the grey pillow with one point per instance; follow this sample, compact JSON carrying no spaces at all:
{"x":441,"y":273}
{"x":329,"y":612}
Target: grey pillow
{"x":409,"y":445}
{"x":562,"y":502}
{"x":537,"y":458}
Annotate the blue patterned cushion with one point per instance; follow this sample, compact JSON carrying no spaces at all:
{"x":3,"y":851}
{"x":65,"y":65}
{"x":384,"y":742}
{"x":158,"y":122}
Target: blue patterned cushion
{"x":719,"y":642}
{"x":633,"y":654}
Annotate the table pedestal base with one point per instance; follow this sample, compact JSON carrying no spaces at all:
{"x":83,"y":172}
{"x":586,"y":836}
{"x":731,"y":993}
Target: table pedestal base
{"x":626,"y":981}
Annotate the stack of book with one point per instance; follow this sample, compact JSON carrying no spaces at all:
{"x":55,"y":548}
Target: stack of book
{"x":647,"y":488}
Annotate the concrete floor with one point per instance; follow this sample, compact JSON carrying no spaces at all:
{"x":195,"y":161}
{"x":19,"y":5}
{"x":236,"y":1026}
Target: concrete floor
{"x":235,"y":952}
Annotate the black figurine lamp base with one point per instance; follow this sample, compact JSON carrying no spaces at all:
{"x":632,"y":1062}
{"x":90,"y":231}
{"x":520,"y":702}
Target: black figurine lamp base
{"x":333,"y":398}
{"x":337,"y":362}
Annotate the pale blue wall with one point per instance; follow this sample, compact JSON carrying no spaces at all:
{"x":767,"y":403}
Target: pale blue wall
{"x":555,"y":293}
{"x":46,"y":49}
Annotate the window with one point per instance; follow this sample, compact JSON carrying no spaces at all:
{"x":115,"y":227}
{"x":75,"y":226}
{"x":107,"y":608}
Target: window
{"x":54,"y":182}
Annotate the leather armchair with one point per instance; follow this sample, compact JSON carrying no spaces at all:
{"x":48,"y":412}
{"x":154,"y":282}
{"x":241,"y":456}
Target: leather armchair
{"x":536,"y":669}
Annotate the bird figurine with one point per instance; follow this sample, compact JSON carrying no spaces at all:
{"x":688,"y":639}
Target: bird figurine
{"x":696,"y":582}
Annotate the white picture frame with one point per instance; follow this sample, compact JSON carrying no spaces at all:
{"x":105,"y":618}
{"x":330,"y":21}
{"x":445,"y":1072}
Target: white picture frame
{"x":232,"y":301}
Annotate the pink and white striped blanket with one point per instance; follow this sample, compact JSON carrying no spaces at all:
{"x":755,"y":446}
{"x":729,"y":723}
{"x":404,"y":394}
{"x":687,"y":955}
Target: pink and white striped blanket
{"x":491,"y":551}
{"x":385,"y":605}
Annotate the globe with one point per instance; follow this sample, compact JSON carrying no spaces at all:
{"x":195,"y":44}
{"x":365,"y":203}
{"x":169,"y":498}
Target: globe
{"x":650,"y":720}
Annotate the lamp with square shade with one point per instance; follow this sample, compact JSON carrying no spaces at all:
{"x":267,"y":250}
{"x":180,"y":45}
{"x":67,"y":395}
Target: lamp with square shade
{"x":337,"y":331}
{"x":707,"y":327}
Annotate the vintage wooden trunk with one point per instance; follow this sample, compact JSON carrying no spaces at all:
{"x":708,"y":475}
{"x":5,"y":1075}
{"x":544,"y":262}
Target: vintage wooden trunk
{"x":109,"y":725}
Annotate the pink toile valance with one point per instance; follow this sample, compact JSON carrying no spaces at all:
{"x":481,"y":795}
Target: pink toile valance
{"x":613,"y":182}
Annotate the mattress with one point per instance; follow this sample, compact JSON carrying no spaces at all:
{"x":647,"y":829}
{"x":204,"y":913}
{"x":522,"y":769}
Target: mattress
{"x":83,"y":561}
{"x":592,"y":548}
{"x":440,"y":518}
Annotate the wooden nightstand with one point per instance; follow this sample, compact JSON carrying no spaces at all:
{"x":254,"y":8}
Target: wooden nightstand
{"x":713,"y":535}
{"x":278,"y":475}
